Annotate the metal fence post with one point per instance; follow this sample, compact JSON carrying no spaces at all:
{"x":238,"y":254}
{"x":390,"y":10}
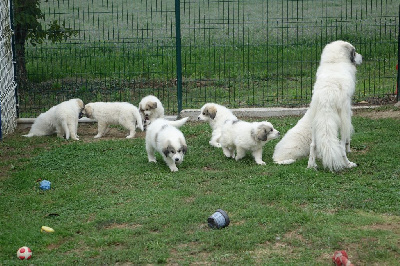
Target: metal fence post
{"x":398,"y":61}
{"x":178,"y":46}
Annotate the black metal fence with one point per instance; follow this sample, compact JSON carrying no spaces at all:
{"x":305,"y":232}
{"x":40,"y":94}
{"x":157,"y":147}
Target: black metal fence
{"x":240,"y":53}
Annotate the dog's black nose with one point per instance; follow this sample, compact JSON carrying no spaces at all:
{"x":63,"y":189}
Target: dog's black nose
{"x":176,"y":159}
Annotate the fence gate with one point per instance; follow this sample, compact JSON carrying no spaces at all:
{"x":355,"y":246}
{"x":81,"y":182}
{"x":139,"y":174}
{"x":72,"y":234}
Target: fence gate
{"x":7,"y":84}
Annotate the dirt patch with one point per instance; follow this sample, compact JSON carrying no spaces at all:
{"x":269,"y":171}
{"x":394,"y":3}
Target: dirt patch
{"x":378,"y":114}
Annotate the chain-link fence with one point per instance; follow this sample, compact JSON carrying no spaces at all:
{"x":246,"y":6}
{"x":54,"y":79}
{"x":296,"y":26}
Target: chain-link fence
{"x":240,"y":53}
{"x":7,"y":85}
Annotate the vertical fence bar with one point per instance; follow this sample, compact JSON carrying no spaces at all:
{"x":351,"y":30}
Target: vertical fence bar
{"x":178,"y":48}
{"x":398,"y":60}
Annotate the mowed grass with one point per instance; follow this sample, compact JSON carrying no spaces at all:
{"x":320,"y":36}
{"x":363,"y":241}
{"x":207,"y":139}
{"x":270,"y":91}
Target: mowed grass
{"x":109,"y":205}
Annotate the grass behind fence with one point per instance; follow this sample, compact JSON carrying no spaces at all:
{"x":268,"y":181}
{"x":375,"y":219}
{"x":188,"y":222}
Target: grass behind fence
{"x":109,"y":205}
{"x":237,"y":53}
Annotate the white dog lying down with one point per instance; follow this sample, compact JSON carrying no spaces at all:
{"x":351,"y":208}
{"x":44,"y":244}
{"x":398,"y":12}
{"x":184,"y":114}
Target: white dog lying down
{"x":61,"y":119}
{"x":215,"y":115}
{"x":244,"y":136}
{"x":330,"y":106}
{"x":114,"y":113}
{"x":296,"y":142}
{"x":165,"y":137}
{"x":150,"y":109}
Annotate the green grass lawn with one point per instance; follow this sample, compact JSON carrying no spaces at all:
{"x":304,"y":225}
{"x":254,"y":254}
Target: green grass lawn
{"x":108,"y":204}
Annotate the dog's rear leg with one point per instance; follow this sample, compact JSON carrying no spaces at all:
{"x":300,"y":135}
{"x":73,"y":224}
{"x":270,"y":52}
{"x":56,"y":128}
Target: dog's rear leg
{"x":65,"y":129}
{"x":312,"y":157}
{"x":151,"y":153}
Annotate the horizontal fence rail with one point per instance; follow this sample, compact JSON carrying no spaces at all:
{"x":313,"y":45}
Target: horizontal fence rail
{"x":248,"y":53}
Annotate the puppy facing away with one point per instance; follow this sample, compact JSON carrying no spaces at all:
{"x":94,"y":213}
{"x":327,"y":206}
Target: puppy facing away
{"x":296,"y":142}
{"x":61,"y":119}
{"x":330,"y":107}
{"x":150,"y":109}
{"x":215,"y":115}
{"x":245,"y":136}
{"x":164,"y":137}
{"x":114,"y":113}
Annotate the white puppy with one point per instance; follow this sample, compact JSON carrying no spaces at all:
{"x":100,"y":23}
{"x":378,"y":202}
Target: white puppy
{"x":61,"y":119}
{"x":165,"y":137}
{"x":245,"y":136}
{"x":330,"y":108}
{"x":296,"y":142}
{"x":150,"y":109}
{"x":215,"y":115}
{"x":114,"y":113}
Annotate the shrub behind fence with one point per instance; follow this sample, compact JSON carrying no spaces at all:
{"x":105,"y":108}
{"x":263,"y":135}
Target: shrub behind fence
{"x":249,"y":53}
{"x":7,"y":85}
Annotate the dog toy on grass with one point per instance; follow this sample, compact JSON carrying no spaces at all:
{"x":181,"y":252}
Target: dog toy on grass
{"x":24,"y":253}
{"x":340,"y":258}
{"x":47,"y":229}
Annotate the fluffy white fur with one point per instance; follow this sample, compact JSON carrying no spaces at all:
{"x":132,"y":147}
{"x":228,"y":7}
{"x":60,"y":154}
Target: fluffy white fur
{"x":330,"y":106}
{"x":296,"y":142}
{"x":164,"y":137}
{"x":215,"y":115}
{"x":114,"y":113}
{"x":245,"y":136}
{"x":329,"y":115}
{"x":61,"y":119}
{"x":150,"y":109}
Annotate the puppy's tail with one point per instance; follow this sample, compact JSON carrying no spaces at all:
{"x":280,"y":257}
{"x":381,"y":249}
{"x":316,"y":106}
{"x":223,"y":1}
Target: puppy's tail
{"x":139,"y":120}
{"x":29,"y":135}
{"x":178,"y":123}
{"x":328,"y":146}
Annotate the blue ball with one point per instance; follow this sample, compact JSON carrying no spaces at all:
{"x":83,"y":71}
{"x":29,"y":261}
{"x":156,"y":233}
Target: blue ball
{"x":45,"y":185}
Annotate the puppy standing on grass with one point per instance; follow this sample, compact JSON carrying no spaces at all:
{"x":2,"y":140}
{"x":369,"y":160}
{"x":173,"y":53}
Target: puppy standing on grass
{"x":165,"y":137}
{"x":114,"y":113}
{"x":244,"y":136}
{"x":150,"y":109}
{"x":61,"y":119}
{"x":215,"y":115}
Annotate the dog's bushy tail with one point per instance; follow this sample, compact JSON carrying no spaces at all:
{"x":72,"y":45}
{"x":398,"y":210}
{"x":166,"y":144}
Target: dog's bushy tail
{"x":328,"y":146}
{"x":178,"y":123}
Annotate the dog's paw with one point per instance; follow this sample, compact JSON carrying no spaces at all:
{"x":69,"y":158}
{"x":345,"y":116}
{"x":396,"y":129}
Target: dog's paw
{"x":351,"y":165}
{"x":173,"y":168}
{"x":312,"y":166}
{"x":152,"y":160}
{"x":215,"y":144}
{"x":261,"y":163}
{"x":97,"y":136}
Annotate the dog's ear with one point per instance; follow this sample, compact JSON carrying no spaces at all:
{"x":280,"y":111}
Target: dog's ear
{"x":88,"y":111}
{"x":261,"y":133}
{"x":211,"y":112}
{"x":168,"y":150}
{"x":151,"y":105}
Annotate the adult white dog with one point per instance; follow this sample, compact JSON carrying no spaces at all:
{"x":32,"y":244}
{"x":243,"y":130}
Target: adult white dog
{"x":330,"y":106}
{"x":244,"y":136}
{"x":215,"y":115}
{"x":164,"y":137}
{"x":114,"y":113}
{"x":329,"y":114}
{"x":61,"y":119}
{"x":150,"y":108}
